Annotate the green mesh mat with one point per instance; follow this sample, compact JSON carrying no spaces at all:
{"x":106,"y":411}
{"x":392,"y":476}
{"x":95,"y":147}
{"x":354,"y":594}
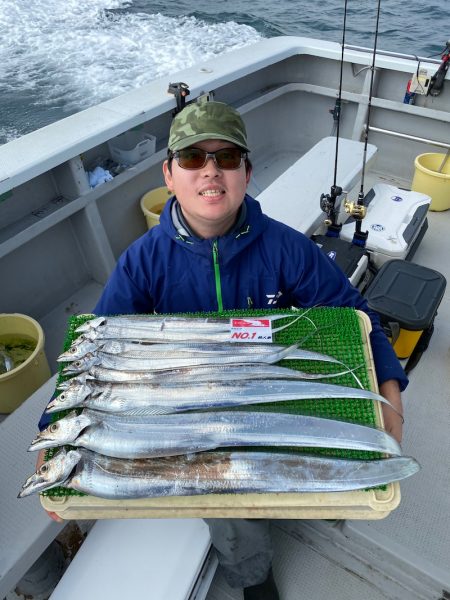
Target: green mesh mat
{"x":333,"y":331}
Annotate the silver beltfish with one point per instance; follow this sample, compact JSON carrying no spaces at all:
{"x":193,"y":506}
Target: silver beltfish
{"x":82,"y":347}
{"x":151,"y":363}
{"x":149,"y":437}
{"x":104,"y":328}
{"x":187,"y":375}
{"x":212,"y":473}
{"x":116,"y":326}
{"x":147,"y":399}
{"x":155,"y":322}
{"x":156,"y":336}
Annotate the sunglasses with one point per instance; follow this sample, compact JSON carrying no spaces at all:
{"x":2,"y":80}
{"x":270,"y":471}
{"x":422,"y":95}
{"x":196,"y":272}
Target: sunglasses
{"x":228,"y":159}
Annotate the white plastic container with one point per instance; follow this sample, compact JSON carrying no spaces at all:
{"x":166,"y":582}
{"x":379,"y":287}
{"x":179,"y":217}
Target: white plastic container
{"x":394,"y":221}
{"x":131,"y":147}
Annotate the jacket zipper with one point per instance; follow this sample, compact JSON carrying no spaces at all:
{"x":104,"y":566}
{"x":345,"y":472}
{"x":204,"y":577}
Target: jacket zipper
{"x":217,"y":276}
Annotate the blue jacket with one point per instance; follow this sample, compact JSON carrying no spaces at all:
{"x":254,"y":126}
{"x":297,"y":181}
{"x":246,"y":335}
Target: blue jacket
{"x":262,"y":263}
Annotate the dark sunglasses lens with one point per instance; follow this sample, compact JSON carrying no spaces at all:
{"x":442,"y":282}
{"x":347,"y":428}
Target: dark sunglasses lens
{"x":195,"y":158}
{"x":191,"y":158}
{"x":228,"y":158}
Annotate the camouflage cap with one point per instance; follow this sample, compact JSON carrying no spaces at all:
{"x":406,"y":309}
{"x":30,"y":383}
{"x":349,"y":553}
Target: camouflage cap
{"x":207,"y":121}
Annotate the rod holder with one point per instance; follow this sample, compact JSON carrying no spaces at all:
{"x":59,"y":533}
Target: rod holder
{"x":180,"y":90}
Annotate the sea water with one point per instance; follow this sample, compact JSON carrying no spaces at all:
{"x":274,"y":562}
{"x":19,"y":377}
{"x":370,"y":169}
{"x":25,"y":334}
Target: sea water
{"x":60,"y":57}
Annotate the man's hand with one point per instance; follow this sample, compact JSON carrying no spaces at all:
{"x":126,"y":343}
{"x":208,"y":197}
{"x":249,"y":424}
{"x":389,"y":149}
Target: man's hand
{"x":39,"y":462}
{"x":393,"y":421}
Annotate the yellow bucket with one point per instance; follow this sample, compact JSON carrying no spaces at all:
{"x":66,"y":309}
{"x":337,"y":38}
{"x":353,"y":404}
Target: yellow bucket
{"x":152,"y":204}
{"x":19,"y":383}
{"x":429,"y":180}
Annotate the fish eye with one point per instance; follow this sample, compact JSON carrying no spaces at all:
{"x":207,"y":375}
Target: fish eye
{"x":62,"y":397}
{"x":43,"y":469}
{"x":73,"y":350}
{"x":54,"y":427}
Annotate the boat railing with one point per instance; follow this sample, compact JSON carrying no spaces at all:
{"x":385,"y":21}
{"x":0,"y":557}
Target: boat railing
{"x":393,"y":54}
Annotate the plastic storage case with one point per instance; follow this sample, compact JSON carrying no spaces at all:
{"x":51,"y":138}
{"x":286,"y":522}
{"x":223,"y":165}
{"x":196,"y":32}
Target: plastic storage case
{"x":131,"y":147}
{"x":409,"y":295}
{"x":375,"y":503}
{"x":396,"y":222}
{"x":353,"y":260}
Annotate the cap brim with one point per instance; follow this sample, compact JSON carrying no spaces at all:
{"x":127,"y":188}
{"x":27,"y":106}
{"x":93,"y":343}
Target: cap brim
{"x":201,"y":137}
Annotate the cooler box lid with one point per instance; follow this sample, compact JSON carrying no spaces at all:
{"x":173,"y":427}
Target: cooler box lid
{"x":407,"y":293}
{"x":393,"y":219}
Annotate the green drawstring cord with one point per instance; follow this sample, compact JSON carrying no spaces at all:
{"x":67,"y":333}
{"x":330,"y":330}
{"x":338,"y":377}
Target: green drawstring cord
{"x":217,"y":276}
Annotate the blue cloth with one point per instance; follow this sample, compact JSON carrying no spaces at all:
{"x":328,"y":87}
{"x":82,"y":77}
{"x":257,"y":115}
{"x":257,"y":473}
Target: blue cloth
{"x":99,"y":176}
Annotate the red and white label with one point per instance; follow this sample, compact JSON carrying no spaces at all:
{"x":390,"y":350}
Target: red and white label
{"x":251,"y":330}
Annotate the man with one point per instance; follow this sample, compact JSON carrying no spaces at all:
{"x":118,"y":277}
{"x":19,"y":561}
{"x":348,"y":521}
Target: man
{"x":215,"y":250}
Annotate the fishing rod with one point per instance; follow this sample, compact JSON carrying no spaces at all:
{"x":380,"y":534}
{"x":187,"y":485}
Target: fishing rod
{"x":328,"y":201}
{"x":358,"y":210}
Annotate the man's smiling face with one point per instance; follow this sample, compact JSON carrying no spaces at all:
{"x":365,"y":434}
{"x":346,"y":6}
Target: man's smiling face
{"x":209,"y":197}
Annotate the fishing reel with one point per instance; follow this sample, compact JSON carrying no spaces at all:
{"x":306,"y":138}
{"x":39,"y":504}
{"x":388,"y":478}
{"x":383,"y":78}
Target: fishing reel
{"x":328,"y":202}
{"x":355,"y":210}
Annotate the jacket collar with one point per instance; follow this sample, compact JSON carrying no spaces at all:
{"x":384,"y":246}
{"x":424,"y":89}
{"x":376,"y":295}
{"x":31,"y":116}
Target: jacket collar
{"x":182,"y":226}
{"x":251,"y":223}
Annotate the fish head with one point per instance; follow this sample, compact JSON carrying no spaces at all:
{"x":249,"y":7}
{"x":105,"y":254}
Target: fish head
{"x":55,"y":471}
{"x":81,"y":379}
{"x":64,"y":431}
{"x":79,"y":348}
{"x":91,"y":324}
{"x":81,"y":364}
{"x":71,"y":396}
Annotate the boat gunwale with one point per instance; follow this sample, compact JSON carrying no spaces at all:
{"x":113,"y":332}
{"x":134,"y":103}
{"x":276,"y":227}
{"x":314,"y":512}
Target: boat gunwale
{"x":63,"y":140}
